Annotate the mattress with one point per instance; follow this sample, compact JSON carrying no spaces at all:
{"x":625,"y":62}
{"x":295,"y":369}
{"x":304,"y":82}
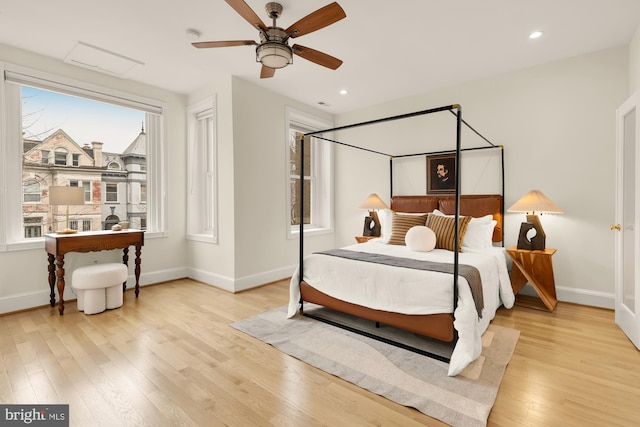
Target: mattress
{"x":410,"y":291}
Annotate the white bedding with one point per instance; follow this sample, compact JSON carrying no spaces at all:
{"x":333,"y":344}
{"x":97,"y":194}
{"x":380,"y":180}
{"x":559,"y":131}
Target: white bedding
{"x":382,"y":287}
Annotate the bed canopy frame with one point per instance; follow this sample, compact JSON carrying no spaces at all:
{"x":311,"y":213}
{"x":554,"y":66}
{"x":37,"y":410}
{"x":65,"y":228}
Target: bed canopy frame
{"x":454,"y":109}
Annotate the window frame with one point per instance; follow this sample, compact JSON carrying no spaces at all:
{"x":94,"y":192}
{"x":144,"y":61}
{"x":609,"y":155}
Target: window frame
{"x":34,"y":182}
{"x":15,"y":76}
{"x":322,"y":189}
{"x":111,"y":185}
{"x":202,"y":161}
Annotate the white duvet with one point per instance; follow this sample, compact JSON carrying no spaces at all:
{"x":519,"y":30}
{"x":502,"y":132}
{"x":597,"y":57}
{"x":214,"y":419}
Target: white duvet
{"x":410,"y":291}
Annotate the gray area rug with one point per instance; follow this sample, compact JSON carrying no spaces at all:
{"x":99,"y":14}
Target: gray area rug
{"x":400,"y":375}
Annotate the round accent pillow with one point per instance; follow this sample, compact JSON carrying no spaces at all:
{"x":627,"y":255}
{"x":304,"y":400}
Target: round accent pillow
{"x":420,"y":239}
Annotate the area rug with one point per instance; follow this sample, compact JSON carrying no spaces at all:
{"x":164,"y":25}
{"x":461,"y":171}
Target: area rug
{"x":400,"y":375}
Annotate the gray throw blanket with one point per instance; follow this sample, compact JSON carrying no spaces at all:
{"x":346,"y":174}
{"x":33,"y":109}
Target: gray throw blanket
{"x":468,"y":272}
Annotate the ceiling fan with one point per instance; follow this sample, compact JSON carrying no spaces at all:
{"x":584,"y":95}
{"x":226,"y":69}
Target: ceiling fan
{"x":274,"y":51}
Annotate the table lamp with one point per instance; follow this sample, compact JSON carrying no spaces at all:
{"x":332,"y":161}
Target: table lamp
{"x":61,"y":195}
{"x":533,"y":203}
{"x":371,"y":222}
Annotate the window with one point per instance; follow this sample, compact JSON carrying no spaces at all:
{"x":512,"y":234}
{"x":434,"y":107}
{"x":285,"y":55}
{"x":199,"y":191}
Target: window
{"x":32,"y":227}
{"x":60,"y":157}
{"x":143,"y":193}
{"x":49,"y":151}
{"x":295,"y":138}
{"x":112,"y":192}
{"x":86,"y":186}
{"x":80,"y":225}
{"x":202,"y":191}
{"x":113,"y":166}
{"x":318,"y":176}
{"x":31,"y":191}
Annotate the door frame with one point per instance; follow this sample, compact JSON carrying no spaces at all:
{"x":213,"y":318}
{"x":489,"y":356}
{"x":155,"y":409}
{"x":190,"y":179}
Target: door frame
{"x":627,"y":319}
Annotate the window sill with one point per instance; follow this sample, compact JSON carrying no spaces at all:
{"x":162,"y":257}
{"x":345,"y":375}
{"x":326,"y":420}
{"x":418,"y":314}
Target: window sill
{"x":202,"y":238}
{"x":312,"y":231}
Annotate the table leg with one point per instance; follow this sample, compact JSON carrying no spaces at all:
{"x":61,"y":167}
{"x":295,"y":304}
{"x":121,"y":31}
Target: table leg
{"x":125,"y":261}
{"x":52,"y":279}
{"x":137,"y":269}
{"x":60,"y":274}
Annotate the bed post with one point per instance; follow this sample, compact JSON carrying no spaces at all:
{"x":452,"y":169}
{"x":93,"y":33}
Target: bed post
{"x":457,"y":207}
{"x":390,"y":178}
{"x":502,"y":163}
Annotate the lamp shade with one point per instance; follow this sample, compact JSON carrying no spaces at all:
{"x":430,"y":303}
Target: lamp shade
{"x":535,"y":202}
{"x":373,"y":202}
{"x":61,"y":195}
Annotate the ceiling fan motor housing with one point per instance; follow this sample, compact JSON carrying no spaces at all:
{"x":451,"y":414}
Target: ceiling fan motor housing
{"x":274,"y":10}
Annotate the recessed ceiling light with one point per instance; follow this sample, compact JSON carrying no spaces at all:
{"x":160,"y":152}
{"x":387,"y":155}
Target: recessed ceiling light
{"x":535,"y":34}
{"x":343,"y":92}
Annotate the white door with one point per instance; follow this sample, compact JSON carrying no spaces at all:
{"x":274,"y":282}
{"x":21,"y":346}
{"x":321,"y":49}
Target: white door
{"x":627,"y":257}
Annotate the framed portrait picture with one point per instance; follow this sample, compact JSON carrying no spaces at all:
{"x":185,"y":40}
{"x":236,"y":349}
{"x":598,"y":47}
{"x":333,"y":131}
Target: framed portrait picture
{"x":441,"y":174}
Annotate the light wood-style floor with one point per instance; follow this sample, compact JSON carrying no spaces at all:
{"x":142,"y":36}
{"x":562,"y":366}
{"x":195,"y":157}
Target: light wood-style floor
{"x":171,"y":358}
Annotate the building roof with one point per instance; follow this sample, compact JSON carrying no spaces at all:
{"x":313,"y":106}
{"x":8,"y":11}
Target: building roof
{"x":138,"y":146}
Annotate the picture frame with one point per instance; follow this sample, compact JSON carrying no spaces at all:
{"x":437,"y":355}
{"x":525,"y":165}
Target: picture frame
{"x":441,"y":173}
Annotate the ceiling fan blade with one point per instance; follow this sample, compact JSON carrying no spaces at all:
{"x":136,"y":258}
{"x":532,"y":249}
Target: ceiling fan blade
{"x":322,"y":17}
{"x":267,"y":72}
{"x":316,"y":56}
{"x":229,"y":43}
{"x":247,"y":13}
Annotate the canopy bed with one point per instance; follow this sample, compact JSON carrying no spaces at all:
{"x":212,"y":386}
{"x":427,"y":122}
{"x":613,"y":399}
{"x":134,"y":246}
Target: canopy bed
{"x":450,"y":293}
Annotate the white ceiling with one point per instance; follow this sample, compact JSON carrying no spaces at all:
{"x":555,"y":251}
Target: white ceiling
{"x":390,"y":49}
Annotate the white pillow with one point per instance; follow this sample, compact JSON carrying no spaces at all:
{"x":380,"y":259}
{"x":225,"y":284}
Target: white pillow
{"x":479,"y":234}
{"x":420,"y":239}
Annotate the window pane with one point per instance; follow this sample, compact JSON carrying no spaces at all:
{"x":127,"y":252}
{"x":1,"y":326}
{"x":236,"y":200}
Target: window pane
{"x":295,"y":201}
{"x":112,"y":192}
{"x":61,"y":159}
{"x":31,"y":191}
{"x":294,"y":154}
{"x":87,"y":191}
{"x":59,"y":146}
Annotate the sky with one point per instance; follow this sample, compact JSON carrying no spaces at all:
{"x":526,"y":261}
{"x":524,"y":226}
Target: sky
{"x":84,"y":120}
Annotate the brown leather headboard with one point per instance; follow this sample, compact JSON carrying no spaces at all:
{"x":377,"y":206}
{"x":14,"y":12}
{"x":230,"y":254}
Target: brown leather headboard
{"x":475,"y":205}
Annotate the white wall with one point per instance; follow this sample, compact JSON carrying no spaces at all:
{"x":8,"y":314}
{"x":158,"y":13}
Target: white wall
{"x":253,"y":248}
{"x":634,"y":62}
{"x":557,"y":123}
{"x":23,"y":282}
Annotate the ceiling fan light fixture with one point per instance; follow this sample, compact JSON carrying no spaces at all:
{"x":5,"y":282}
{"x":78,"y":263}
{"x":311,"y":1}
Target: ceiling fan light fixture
{"x":274,"y":55}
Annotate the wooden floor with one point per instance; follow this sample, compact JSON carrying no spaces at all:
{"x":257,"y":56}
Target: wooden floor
{"x":171,"y":359}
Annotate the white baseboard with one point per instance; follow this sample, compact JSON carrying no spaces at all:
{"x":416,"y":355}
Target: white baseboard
{"x":242,"y":284}
{"x":41,"y":298}
{"x":25,"y":301}
{"x":579,"y":296}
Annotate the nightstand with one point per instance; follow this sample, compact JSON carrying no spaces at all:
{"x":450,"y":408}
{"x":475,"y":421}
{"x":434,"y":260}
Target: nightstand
{"x":362,"y":239}
{"x":536,"y":268}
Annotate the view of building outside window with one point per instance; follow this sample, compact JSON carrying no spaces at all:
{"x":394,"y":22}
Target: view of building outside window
{"x":294,"y":177}
{"x":78,"y":142}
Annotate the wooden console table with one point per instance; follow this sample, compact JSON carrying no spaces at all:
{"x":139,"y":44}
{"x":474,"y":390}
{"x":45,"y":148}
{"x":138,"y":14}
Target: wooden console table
{"x":536,"y":268}
{"x":57,"y":245}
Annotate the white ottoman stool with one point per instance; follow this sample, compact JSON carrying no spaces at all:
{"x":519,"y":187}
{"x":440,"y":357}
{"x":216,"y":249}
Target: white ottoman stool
{"x":99,"y":286}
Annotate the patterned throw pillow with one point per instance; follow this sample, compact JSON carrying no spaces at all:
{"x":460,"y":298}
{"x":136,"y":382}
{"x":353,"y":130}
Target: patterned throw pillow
{"x":400,"y":224}
{"x":443,"y":226}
